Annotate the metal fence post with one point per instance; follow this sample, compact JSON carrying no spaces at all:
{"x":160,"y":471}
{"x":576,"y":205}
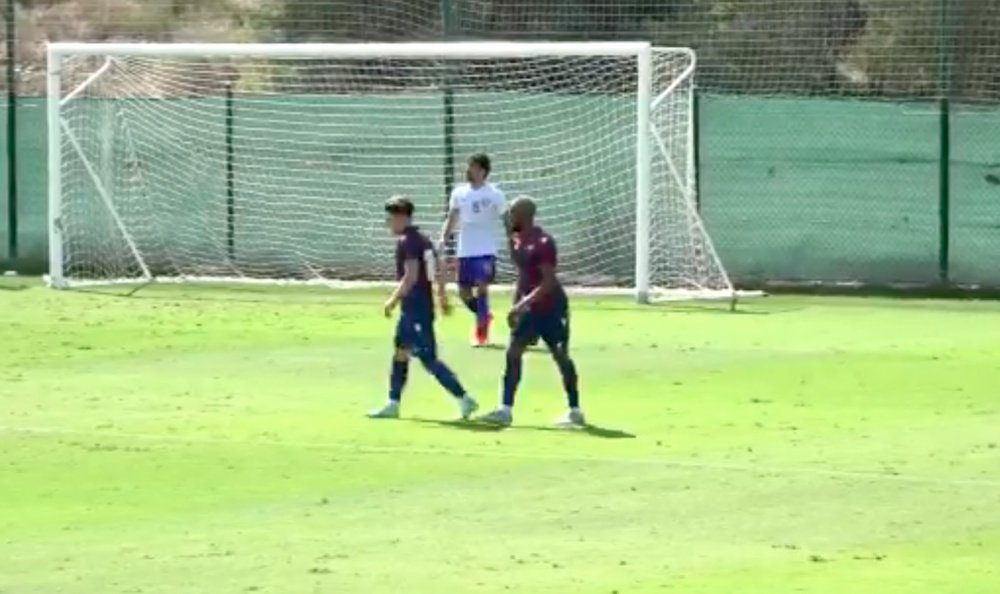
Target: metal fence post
{"x":230,"y":178}
{"x":11,"y":47}
{"x":945,"y":39}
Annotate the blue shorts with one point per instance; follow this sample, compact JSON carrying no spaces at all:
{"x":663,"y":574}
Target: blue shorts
{"x":415,"y":333}
{"x":551,"y":326}
{"x":476,"y":270}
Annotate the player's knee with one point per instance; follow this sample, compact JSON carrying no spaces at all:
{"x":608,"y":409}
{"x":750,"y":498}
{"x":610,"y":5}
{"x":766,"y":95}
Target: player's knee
{"x":401,"y":355}
{"x":483,"y":289}
{"x":560,"y":352}
{"x":430,"y":362}
{"x":465,"y":293}
{"x":515,"y":351}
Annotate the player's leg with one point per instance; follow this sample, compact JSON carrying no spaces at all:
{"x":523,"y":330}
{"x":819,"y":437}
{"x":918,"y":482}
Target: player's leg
{"x":466,"y":292}
{"x":466,"y":283}
{"x":533,"y":341}
{"x":485,"y":272}
{"x":554,"y":331}
{"x":399,"y":371}
{"x":522,"y":333}
{"x":425,"y":349}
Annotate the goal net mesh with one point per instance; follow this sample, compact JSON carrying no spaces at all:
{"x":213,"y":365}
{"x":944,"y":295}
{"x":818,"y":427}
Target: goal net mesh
{"x":278,"y":168}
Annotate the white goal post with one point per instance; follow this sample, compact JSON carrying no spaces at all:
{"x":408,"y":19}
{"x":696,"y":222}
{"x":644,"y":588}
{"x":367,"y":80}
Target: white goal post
{"x":270,"y":162}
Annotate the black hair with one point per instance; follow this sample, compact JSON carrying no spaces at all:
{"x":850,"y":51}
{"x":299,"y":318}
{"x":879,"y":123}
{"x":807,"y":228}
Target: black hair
{"x":399,"y":205}
{"x":525,"y":205}
{"x":481,"y":159}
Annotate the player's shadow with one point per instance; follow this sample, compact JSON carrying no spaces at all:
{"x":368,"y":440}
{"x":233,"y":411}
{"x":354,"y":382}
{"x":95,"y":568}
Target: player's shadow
{"x":477,"y":427}
{"x":495,"y":346}
{"x":759,"y":308}
{"x":590,"y":430}
{"x":232,"y":293}
{"x":491,"y":346}
{"x":454,"y":424}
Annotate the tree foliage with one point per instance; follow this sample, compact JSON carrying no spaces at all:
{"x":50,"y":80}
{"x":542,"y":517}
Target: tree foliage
{"x":881,"y":48}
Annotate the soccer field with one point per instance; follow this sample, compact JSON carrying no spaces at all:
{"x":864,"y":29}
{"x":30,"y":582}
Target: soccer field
{"x":213,"y":440}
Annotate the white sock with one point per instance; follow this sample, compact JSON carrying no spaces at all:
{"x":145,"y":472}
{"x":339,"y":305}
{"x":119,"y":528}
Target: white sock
{"x":505,"y":408}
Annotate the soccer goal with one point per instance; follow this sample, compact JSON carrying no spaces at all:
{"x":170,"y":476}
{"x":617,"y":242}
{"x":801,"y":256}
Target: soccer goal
{"x":271,"y":162}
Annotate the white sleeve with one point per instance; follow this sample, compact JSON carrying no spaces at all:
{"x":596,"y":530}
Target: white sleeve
{"x":501,"y":203}
{"x":430,"y":265}
{"x":453,"y":201}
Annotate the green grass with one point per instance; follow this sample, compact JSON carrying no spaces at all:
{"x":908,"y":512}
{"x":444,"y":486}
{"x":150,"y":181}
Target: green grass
{"x":212,"y":440}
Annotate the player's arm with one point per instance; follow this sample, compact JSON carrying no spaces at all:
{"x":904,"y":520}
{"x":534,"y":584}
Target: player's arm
{"x":412,"y":251}
{"x":547,"y":286}
{"x":450,"y":222}
{"x":549,"y":283}
{"x":436,"y":273}
{"x":501,"y":206}
{"x":509,"y":231}
{"x":411,"y":272}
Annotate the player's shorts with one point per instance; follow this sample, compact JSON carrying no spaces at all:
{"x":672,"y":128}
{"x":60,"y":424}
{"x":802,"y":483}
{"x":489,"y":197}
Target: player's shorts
{"x":552,"y":326}
{"x":416,"y":334}
{"x":476,"y":270}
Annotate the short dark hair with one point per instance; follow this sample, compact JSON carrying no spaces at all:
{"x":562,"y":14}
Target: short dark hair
{"x":481,"y":159}
{"x":399,"y":205}
{"x":525,"y":205}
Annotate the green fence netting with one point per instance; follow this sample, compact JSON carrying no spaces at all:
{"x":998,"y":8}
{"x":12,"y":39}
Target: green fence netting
{"x":820,"y":120}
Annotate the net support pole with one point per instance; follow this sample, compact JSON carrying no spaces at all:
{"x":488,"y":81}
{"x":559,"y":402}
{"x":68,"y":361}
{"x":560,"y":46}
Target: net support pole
{"x":944,"y":162}
{"x":448,"y":173}
{"x":230,"y":178}
{"x":695,"y":136}
{"x":53,"y":94}
{"x":11,"y":123}
{"x":643,"y":170}
{"x":448,"y":177}
{"x":944,"y":193}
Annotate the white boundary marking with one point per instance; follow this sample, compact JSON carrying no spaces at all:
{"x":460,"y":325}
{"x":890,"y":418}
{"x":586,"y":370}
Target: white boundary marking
{"x":365,"y":449}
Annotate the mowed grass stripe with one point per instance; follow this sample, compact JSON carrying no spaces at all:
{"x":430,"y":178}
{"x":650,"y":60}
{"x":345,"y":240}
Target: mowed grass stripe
{"x":212,"y":440}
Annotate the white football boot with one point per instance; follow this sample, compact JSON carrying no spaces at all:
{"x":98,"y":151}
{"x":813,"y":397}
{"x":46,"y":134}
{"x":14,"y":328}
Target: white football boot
{"x":573,"y":418}
{"x":500,"y":416}
{"x":466,"y":406}
{"x":390,"y":410}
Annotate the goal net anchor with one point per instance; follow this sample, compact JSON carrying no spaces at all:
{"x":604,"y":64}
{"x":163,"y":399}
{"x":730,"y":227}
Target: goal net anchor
{"x":168,"y":160}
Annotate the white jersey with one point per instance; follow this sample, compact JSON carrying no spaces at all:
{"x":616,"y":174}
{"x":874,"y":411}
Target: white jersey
{"x":480,"y":219}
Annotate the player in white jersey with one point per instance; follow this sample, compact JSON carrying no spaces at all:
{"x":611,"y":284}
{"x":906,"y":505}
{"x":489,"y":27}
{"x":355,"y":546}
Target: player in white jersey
{"x":476,"y":209}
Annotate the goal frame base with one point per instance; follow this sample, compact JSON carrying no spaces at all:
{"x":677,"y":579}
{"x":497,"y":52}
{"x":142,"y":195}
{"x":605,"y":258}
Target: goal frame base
{"x":655,"y":295}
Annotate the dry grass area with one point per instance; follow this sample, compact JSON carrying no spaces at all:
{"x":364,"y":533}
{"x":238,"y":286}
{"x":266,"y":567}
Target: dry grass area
{"x":130,"y":20}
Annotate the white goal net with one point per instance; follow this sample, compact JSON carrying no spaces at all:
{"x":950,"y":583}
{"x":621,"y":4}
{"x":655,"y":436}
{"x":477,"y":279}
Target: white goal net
{"x":272,"y":162}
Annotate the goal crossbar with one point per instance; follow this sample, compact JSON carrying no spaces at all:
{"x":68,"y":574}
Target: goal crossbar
{"x":442,"y":50}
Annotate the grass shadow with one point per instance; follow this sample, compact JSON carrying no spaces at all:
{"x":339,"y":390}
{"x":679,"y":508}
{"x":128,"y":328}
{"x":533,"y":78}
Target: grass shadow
{"x":753,"y":306}
{"x":230,"y":294}
{"x":492,"y":346}
{"x":588,"y":430}
{"x":496,"y":346}
{"x":608,"y":433}
{"x":477,"y":427}
{"x":472,"y":426}
{"x":741,"y":310}
{"x":363,"y":297}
